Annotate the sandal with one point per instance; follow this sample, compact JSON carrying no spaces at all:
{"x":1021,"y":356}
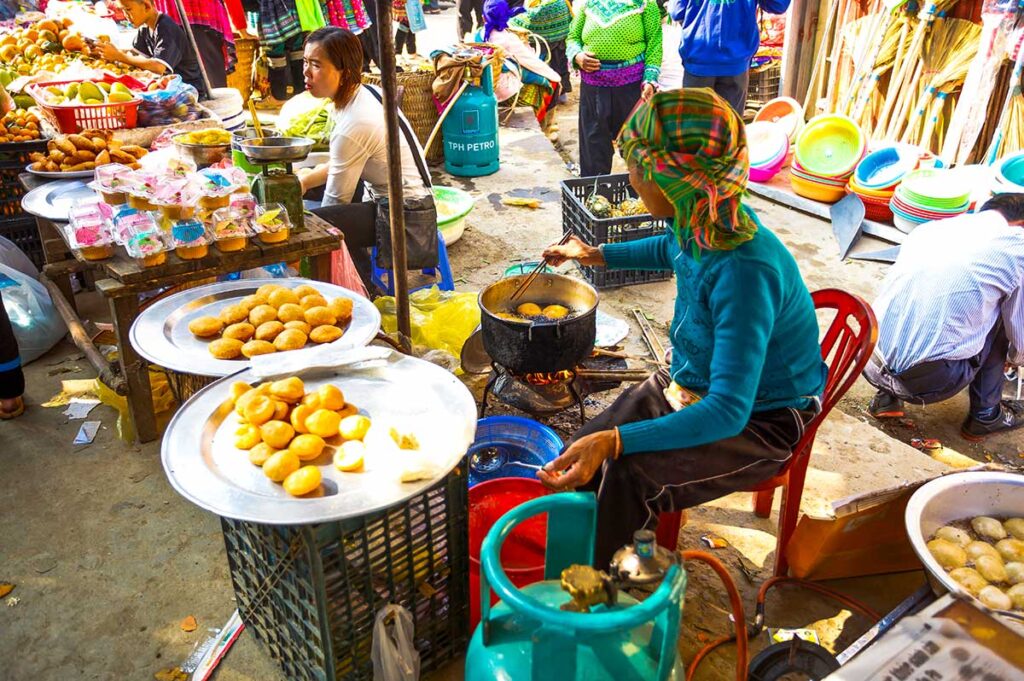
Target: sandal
{"x":18,"y":410}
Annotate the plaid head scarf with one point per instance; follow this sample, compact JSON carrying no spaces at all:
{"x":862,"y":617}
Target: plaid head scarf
{"x":693,"y":145}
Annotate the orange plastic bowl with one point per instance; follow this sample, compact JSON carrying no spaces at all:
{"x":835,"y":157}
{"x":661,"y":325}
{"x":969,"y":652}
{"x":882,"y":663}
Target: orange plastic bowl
{"x":815,"y":191}
{"x":785,"y":111}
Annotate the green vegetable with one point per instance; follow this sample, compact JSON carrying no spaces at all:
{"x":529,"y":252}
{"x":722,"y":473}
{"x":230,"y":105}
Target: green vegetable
{"x":306,"y":116}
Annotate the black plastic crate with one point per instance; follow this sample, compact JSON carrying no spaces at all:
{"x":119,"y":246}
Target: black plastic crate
{"x":21,"y":229}
{"x":311,"y":593}
{"x":764,"y":84}
{"x":596,"y":231}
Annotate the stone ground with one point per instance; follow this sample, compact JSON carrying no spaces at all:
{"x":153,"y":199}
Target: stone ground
{"x":107,"y":559}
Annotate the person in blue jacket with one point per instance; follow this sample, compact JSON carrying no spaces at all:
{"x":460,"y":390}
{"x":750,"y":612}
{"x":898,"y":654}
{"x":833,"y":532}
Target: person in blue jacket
{"x":719,"y":39}
{"x":746,"y":373}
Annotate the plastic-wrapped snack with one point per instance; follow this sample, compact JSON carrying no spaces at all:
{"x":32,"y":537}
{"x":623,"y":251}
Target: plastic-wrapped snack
{"x":245,"y":204}
{"x":148,"y":248}
{"x":128,"y":222}
{"x":272,"y":223}
{"x":141,"y":189}
{"x":111,"y":182}
{"x":231,"y":229}
{"x":216,"y":186}
{"x":177,"y":199}
{"x":90,"y":236}
{"x":190,"y":239}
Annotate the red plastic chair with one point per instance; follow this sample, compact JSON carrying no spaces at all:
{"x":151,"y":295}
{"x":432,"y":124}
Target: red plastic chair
{"x":846,"y":348}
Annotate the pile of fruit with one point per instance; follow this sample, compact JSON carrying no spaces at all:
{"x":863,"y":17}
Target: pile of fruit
{"x":86,"y":151}
{"x":85,"y":92}
{"x":19,"y":126}
{"x":208,"y":137}
{"x":602,"y":208}
{"x":50,"y":45}
{"x":284,"y":429}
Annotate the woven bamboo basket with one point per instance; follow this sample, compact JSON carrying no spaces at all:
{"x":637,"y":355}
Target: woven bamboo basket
{"x":241,"y":77}
{"x":418,"y":106}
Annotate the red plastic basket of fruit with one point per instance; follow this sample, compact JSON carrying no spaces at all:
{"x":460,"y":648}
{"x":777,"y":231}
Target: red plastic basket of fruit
{"x":71,"y":118}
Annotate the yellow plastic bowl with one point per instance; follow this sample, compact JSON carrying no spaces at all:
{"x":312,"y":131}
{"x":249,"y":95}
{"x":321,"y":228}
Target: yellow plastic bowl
{"x":815,"y":191}
{"x":785,"y":111}
{"x":831,"y":145}
{"x":874,"y":193}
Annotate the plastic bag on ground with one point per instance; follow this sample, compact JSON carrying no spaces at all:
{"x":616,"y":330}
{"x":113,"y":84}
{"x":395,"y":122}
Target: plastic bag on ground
{"x":36,"y":323}
{"x":343,"y":272}
{"x":440,"y":320}
{"x":393,"y":654}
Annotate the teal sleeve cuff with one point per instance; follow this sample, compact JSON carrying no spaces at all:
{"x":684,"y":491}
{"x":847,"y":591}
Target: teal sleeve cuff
{"x":652,"y":74}
{"x":571,"y":50}
{"x":617,"y":256}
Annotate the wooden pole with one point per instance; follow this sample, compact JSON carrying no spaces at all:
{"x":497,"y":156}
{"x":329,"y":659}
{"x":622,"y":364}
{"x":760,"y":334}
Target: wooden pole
{"x":388,"y":84}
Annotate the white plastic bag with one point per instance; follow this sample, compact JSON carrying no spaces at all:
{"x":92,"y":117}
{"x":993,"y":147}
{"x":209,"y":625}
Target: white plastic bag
{"x":12,"y":256}
{"x":37,"y":326}
{"x":394,"y":657}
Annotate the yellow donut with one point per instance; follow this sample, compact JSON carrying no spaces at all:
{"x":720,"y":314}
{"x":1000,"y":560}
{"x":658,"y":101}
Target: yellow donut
{"x":232,"y":314}
{"x":320,"y":316}
{"x":242,"y":331}
{"x":305,"y":290}
{"x":225,"y":348}
{"x":268,"y":331}
{"x":290,"y":339}
{"x":258,"y":347}
{"x":325,"y":334}
{"x":298,"y":326}
{"x":283,"y":296}
{"x":289,"y":312}
{"x":262,"y":314}
{"x":205,"y":327}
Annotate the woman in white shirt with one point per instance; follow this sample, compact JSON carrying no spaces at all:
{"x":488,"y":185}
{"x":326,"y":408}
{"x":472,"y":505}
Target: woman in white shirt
{"x":332,"y":68}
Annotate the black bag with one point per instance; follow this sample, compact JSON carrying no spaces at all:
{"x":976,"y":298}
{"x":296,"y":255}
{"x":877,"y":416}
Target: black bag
{"x":420,"y":214}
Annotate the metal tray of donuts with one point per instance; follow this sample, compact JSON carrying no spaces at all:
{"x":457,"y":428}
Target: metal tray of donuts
{"x":413,"y":396}
{"x":161,"y":332}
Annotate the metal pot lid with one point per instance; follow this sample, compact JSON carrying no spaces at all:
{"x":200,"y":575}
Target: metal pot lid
{"x":160,"y":333}
{"x":412,"y":395}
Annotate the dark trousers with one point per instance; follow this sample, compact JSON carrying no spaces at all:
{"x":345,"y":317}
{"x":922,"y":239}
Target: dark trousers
{"x":558,"y":62}
{"x":930,"y":382}
{"x":12,"y":380}
{"x":732,"y":89}
{"x":371,"y":45}
{"x":633,"y":489}
{"x":467,"y":10}
{"x":357,"y":221}
{"x":211,"y":50}
{"x":603,"y":111}
{"x":405,"y":38}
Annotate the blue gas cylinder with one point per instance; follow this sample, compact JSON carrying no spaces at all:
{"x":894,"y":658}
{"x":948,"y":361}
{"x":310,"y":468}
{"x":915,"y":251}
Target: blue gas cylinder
{"x":471,"y":131}
{"x":527,"y":636}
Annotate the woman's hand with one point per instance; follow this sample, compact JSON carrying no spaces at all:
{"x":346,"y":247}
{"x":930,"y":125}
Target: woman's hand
{"x":587,"y":62}
{"x":647,"y":91}
{"x":576,"y":250}
{"x":578,"y":464}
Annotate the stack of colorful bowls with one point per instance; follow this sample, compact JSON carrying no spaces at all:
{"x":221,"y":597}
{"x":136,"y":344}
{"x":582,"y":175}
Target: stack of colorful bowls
{"x":875,"y":178}
{"x":1010,"y":174}
{"x":827,"y":151}
{"x":929,"y":194}
{"x":785,"y":111}
{"x":768,"y":146}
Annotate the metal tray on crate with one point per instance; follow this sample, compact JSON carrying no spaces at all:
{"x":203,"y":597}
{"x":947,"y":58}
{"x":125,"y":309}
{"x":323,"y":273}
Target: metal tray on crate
{"x":414,"y":396}
{"x":596,"y":231}
{"x":53,"y":200}
{"x":160,"y":333}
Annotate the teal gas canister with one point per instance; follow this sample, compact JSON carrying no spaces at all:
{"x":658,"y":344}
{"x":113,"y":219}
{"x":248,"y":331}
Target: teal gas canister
{"x":532,"y":634}
{"x":470,"y":131}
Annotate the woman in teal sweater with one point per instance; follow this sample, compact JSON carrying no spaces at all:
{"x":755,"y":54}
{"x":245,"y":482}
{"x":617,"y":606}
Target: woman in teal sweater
{"x":616,"y":45}
{"x":746,"y":372}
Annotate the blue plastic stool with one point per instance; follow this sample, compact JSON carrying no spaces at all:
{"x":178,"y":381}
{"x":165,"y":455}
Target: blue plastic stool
{"x":383,"y":279}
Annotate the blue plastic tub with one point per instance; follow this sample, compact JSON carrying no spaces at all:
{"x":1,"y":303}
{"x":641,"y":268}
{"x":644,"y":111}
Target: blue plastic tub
{"x":504,"y":442}
{"x":885,"y":167}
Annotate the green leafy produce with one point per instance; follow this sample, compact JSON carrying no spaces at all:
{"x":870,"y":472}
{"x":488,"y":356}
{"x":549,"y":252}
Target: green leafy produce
{"x":306,"y":116}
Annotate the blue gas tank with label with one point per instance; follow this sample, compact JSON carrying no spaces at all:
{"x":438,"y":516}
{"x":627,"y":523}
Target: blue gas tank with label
{"x":471,"y":131}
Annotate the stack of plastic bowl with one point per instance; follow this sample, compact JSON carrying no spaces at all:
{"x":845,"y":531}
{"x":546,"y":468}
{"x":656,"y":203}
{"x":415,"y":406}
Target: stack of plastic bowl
{"x":827,"y":151}
{"x":784,"y":111}
{"x":1010,"y":174}
{"x":768,"y":145}
{"x":929,"y":194}
{"x":876,"y":177}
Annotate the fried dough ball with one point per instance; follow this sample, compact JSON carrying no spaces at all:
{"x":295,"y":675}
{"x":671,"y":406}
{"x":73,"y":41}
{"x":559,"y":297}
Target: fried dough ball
{"x":242,"y":331}
{"x":948,"y":554}
{"x":205,"y":327}
{"x":239,"y":388}
{"x":1015,"y":573}
{"x":259,"y":454}
{"x":555,"y":312}
{"x":258,"y":347}
{"x":242,"y":401}
{"x":529,"y":310}
{"x":993,"y":597}
{"x":315,"y":300}
{"x":298,"y":417}
{"x":354,"y":427}
{"x":348,"y":410}
{"x":232,"y":314}
{"x":253,"y":301}
{"x":307,"y":446}
{"x":290,"y":339}
{"x":283,"y":296}
{"x":323,"y":422}
{"x":305,"y":290}
{"x":312,"y":400}
{"x":325,"y":334}
{"x":225,"y":348}
{"x":290,"y":313}
{"x":969,"y":579}
{"x":350,"y":456}
{"x":277,"y":434}
{"x":320,"y":316}
{"x":331,"y":397}
{"x":1011,"y":550}
{"x":1016,"y":594}
{"x":988,"y":528}
{"x":280,"y":465}
{"x":288,"y":390}
{"x":265,"y":290}
{"x":1015,"y":526}
{"x":259,"y":410}
{"x":247,"y":437}
{"x":268,"y":331}
{"x":991,"y":568}
{"x":977,"y":549}
{"x":953,"y":534}
{"x":261,"y":314}
{"x":303,"y":481}
{"x":281,"y":410}
{"x":298,"y":326}
{"x":342,"y":309}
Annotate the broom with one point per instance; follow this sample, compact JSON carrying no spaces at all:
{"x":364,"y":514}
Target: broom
{"x":889,"y":53}
{"x":814,"y":87}
{"x":866,"y":61}
{"x":1013,"y":92}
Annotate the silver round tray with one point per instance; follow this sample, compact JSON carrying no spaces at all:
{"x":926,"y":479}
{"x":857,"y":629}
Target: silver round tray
{"x":417,"y":397}
{"x":54,"y":200}
{"x":161,"y":335}
{"x":57,"y":175}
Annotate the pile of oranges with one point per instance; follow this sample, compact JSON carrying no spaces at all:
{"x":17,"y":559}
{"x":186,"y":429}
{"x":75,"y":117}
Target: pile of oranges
{"x":19,"y":126}
{"x":49,"y":45}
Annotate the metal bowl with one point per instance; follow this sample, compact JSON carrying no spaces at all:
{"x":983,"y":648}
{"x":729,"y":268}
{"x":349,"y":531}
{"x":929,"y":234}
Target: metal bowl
{"x":273,"y":149}
{"x":239,"y":136}
{"x":959,"y":496}
{"x":202,"y":154}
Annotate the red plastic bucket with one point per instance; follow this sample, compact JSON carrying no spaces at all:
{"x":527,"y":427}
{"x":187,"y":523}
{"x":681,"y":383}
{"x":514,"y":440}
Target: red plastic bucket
{"x":522,"y":556}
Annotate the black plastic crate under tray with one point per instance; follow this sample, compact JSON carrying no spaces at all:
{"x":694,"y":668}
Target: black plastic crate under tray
{"x":596,"y":231}
{"x":311,"y":593}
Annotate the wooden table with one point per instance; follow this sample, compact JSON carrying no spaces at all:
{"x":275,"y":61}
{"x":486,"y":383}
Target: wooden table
{"x":121,"y":279}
